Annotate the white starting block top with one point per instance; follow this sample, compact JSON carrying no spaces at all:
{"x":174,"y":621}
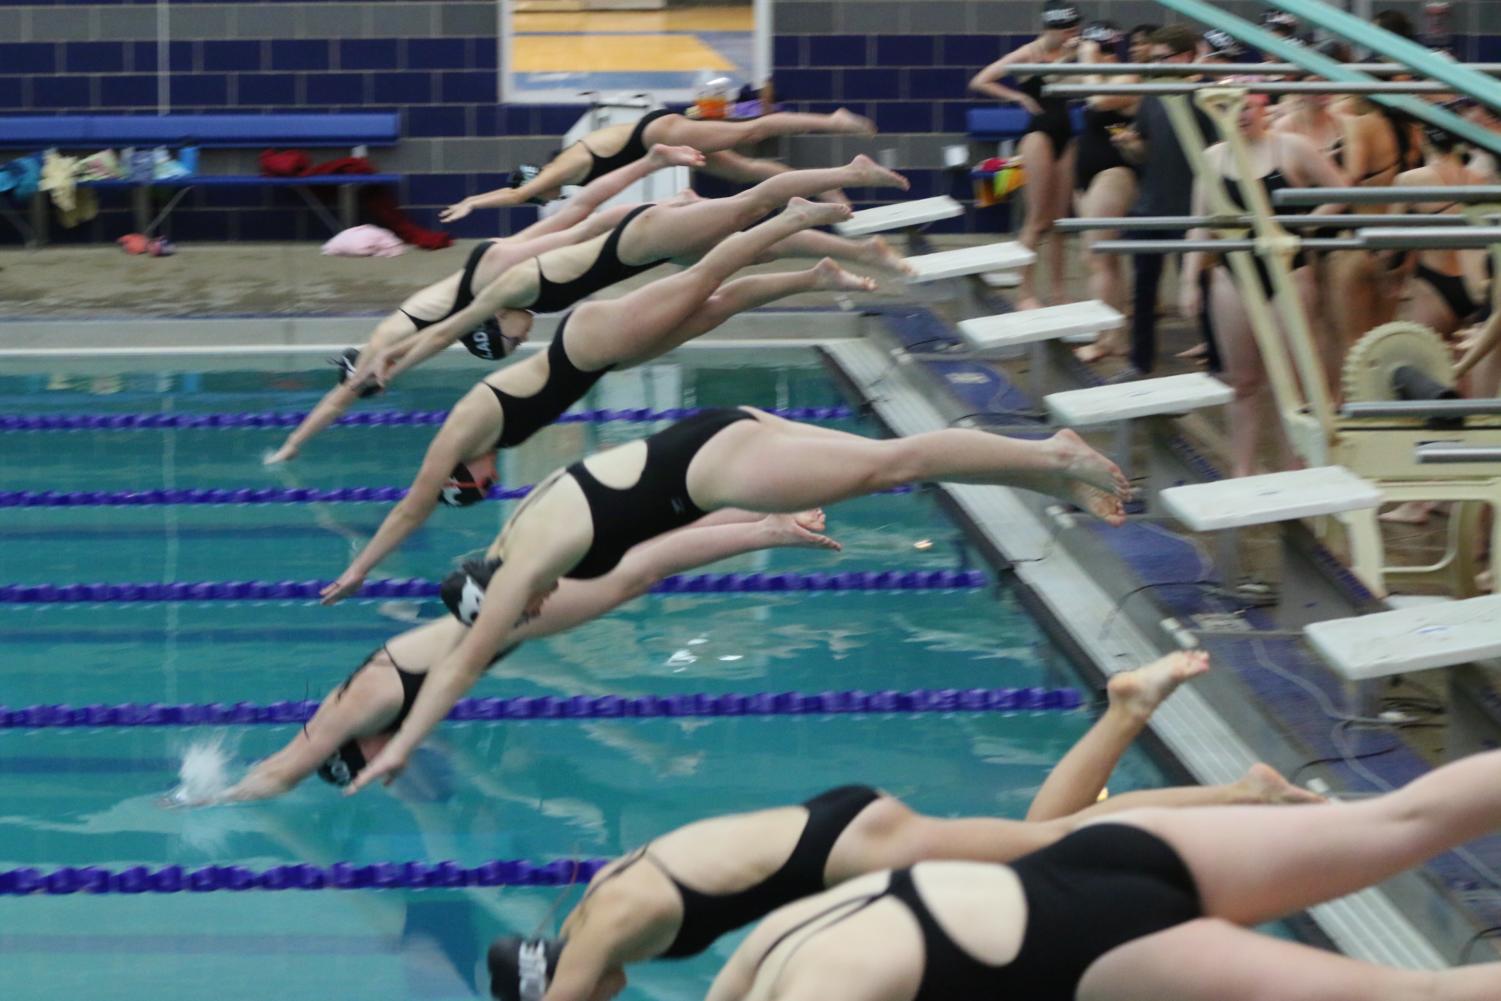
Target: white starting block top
{"x":1001,"y":279}
{"x":902,"y":215}
{"x":1410,"y":639}
{"x":1173,"y":394}
{"x":1261,"y":500}
{"x":968,"y":261}
{"x":1073,"y":320}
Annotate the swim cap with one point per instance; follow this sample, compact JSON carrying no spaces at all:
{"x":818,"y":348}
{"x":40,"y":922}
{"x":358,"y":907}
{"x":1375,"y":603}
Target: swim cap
{"x":522,"y":968}
{"x":1060,"y":16}
{"x":487,"y":342}
{"x":463,"y":488}
{"x":340,"y":767}
{"x":346,"y":363}
{"x":1222,"y":43}
{"x":524,"y":173}
{"x":1102,"y":33}
{"x":463,"y":591}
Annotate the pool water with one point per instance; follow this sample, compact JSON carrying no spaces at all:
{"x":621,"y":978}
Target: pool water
{"x":536,"y":790}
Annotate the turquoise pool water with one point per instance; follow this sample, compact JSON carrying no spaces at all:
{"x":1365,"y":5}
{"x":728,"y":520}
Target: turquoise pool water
{"x":532,"y":790}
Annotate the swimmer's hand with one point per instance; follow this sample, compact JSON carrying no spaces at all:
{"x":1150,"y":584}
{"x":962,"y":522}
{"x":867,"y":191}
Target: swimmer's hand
{"x":348,"y":583}
{"x":456,"y":211}
{"x":386,"y":767}
{"x":1029,"y":103}
{"x":674,"y":156}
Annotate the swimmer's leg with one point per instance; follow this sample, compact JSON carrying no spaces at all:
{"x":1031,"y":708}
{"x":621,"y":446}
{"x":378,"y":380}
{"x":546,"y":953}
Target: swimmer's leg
{"x":643,"y":323}
{"x":713,"y":136}
{"x":1076,"y":782}
{"x":1255,"y":863}
{"x":1209,"y":960}
{"x":343,"y":396}
{"x":872,"y":252}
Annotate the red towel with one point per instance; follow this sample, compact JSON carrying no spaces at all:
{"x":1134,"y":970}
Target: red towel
{"x":377,"y":201}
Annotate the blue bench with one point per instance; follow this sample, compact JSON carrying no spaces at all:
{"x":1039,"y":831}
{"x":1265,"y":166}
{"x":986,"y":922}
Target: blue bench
{"x":89,"y":133}
{"x":1006,"y":122}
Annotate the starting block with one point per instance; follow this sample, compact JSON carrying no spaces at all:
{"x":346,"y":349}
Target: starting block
{"x":1225,"y":506}
{"x":968,"y":261}
{"x":1075,"y":322}
{"x":1365,"y":648}
{"x":902,"y":215}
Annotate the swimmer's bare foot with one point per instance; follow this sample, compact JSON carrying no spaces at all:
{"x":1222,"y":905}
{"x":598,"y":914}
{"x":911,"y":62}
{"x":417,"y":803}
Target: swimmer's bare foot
{"x":283,"y":454}
{"x":880,"y":253}
{"x":804,"y":530}
{"x":830,"y":275}
{"x":1141,"y":691}
{"x":1263,"y":784}
{"x":817,"y":213}
{"x":1103,"y":505}
{"x":872,"y":175}
{"x":1099,"y":351}
{"x":847,"y":121}
{"x":1027,"y":302}
{"x":1077,"y":461}
{"x":1410,"y":513}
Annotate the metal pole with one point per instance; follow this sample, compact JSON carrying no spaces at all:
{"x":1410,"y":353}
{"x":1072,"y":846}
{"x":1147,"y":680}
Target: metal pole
{"x":1313,"y":62}
{"x":1432,"y":65}
{"x":1435,"y":237}
{"x":1251,"y":86}
{"x":1243,"y":221}
{"x":1471,"y":194}
{"x":1215,"y":69}
{"x":1216,"y":246}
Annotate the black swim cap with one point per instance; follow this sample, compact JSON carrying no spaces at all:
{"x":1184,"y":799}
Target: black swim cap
{"x":463,"y":488}
{"x":487,"y":342}
{"x":524,"y":173}
{"x":341,"y":767}
{"x":521,"y":969}
{"x":1061,"y":16}
{"x":347,"y":362}
{"x":463,"y":591}
{"x":1103,"y":33}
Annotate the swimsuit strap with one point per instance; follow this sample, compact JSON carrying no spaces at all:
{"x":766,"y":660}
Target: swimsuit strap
{"x":860,"y":903}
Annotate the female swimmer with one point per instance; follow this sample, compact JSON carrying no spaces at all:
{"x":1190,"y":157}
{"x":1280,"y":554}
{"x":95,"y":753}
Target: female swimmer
{"x":1146,"y":905}
{"x":516,"y":402}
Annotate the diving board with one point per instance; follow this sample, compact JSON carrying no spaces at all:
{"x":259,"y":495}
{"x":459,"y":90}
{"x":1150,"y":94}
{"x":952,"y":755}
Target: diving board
{"x":902,"y":215}
{"x":1173,"y":394}
{"x":1071,"y":321}
{"x":968,"y":261}
{"x":1418,"y":638}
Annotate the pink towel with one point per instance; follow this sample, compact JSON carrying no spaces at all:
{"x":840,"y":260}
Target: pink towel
{"x":365,"y":241}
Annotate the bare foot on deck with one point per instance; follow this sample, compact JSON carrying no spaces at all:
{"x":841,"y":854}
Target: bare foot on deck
{"x":1263,"y":784}
{"x":847,"y":121}
{"x":1141,"y":691}
{"x":1081,"y":464}
{"x":880,"y":253}
{"x":817,"y":213}
{"x":1101,"y":349}
{"x":804,"y":529}
{"x":1410,"y":513}
{"x":1028,"y":302}
{"x":872,"y":175}
{"x":830,"y":275}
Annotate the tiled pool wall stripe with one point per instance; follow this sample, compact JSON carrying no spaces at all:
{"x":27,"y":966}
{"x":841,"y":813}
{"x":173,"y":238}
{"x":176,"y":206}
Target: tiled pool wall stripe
{"x":378,"y":418}
{"x":99,"y":880}
{"x":244,"y":495}
{"x":416,"y":587}
{"x":544,"y":707}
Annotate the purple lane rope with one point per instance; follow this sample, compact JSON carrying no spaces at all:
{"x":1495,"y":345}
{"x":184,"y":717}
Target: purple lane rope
{"x":554,"y":707}
{"x":368,"y":418}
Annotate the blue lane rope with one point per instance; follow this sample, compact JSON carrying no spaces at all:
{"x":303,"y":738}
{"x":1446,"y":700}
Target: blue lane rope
{"x":296,"y":876}
{"x":242,"y":495}
{"x":527,"y":707}
{"x":416,"y":587}
{"x":376,"y":418}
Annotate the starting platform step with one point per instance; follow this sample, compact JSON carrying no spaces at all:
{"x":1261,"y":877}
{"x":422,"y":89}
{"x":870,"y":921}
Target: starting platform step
{"x":1072,"y":321}
{"x":968,"y":261}
{"x":902,"y":215}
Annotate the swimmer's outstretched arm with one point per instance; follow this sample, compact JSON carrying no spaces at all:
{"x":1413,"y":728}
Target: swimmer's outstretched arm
{"x":987,"y":81}
{"x":534,"y":562}
{"x":576,"y":209}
